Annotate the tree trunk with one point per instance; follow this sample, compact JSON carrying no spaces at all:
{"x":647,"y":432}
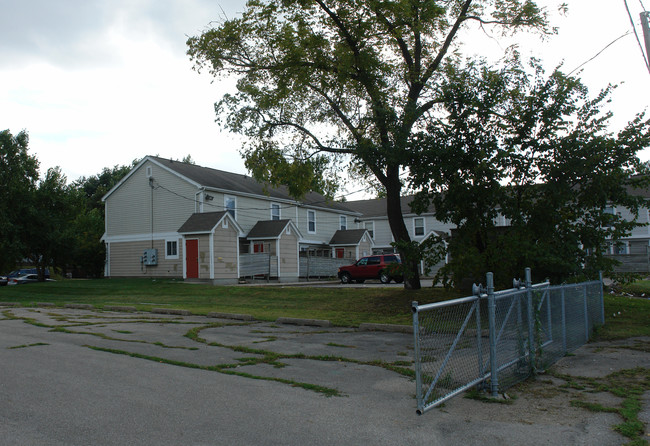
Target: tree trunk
{"x":400,"y":233}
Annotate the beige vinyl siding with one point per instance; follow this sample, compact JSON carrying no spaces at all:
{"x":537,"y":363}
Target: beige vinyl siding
{"x":225,"y":252}
{"x":204,"y":255}
{"x":365,"y":248}
{"x":327,"y":223}
{"x":383,"y":235}
{"x":125,"y":260}
{"x":128,"y":208}
{"x":288,"y":254}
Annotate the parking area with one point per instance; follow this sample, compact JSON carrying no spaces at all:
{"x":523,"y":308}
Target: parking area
{"x":89,"y":377}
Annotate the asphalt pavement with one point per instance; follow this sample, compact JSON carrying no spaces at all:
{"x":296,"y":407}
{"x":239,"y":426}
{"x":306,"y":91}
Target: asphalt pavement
{"x":80,"y":377}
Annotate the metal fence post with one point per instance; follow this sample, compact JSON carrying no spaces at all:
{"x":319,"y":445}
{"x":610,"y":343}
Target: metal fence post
{"x":531,"y":321}
{"x":479,"y":345}
{"x":602,"y":299}
{"x":418,"y":372}
{"x":564,"y":348}
{"x":586,"y":310}
{"x":494,"y":369}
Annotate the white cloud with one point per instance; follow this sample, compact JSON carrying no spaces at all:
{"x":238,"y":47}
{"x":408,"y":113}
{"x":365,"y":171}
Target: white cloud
{"x":98,"y":83}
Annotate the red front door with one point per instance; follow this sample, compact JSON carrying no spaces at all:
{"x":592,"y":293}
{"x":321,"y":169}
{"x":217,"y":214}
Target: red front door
{"x":192,"y":258}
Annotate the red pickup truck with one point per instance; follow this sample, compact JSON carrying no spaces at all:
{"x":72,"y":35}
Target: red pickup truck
{"x":382,"y":267}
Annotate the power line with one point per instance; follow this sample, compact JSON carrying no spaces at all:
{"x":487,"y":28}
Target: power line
{"x":598,"y":53}
{"x":645,"y":60}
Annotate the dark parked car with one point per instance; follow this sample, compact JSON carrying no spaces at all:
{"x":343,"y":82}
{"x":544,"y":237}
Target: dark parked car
{"x":25,"y":271}
{"x":27,"y":278}
{"x":382,"y":267}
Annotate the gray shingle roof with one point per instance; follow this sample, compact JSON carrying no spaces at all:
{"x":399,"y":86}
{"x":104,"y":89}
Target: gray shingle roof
{"x":234,"y":182}
{"x":268,"y":229}
{"x":377,"y":207}
{"x":203,"y":222}
{"x":347,"y":237}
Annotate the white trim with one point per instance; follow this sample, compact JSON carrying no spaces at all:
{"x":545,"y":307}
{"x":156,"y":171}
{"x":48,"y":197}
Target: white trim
{"x":277,"y":255}
{"x":225,"y":205}
{"x":372,"y":237}
{"x":140,"y":237}
{"x":172,"y":240}
{"x":271,"y":205}
{"x":308,"y":221}
{"x":211,"y":242}
{"x":107,"y":266}
{"x":424,"y":227}
{"x":138,"y":166}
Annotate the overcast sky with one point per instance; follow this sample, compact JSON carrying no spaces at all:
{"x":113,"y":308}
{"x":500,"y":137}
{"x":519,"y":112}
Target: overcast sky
{"x":98,"y":83}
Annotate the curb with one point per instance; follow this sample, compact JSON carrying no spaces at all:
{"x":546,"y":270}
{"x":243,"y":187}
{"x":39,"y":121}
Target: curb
{"x":79,"y":306}
{"x":297,"y":321}
{"x":386,"y":327}
{"x":239,"y":317}
{"x":119,"y":308}
{"x":171,"y":311}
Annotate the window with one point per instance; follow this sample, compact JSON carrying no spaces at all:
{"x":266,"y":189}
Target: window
{"x":149,"y":172}
{"x":609,"y":210}
{"x":311,"y":222}
{"x":171,"y":249}
{"x":621,"y":248}
{"x":374,"y":260}
{"x":343,"y":220}
{"x":418,"y":226}
{"x":370,"y":227}
{"x":275,"y":211}
{"x":230,"y":205}
{"x":258,"y":247}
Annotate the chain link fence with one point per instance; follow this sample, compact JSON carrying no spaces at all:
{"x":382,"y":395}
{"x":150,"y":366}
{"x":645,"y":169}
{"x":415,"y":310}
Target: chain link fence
{"x":494,"y":340}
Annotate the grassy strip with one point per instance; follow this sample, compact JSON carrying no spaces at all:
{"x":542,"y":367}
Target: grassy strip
{"x":625,"y":317}
{"x":223,"y":368}
{"x":341,"y":306}
{"x":629,"y":384}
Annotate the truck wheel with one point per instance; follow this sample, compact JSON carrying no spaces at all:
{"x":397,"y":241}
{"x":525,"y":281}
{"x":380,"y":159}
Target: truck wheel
{"x":345,"y":278}
{"x":384,"y":277}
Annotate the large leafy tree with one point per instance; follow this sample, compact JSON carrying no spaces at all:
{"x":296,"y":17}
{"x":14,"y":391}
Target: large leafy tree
{"x":536,"y":152}
{"x":18,"y":176}
{"x":47,"y":226}
{"x":330,"y":83}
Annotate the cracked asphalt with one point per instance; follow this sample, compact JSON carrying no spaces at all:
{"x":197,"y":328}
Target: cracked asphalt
{"x":80,"y":377}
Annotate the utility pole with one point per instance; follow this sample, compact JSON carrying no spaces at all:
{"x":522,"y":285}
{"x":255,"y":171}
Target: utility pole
{"x":645,"y":25}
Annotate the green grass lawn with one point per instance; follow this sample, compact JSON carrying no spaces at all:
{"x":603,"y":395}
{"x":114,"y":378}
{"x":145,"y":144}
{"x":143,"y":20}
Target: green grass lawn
{"x":342,"y":306}
{"x":624,"y":316}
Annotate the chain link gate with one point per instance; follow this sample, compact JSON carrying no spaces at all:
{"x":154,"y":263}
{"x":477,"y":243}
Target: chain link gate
{"x":515,"y":332}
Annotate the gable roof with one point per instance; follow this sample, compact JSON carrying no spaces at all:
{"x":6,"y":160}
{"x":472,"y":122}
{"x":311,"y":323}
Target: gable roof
{"x":202,"y":223}
{"x":271,"y":229}
{"x":376,"y":207}
{"x":222,"y":181}
{"x":348,"y":236}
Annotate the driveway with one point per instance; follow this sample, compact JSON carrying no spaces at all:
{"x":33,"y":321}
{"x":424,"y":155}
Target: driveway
{"x":73,"y":377}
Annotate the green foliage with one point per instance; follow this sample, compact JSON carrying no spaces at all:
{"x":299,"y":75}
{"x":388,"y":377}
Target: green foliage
{"x":47,"y":229}
{"x":18,"y":177}
{"x":341,"y":84}
{"x":535,"y":151}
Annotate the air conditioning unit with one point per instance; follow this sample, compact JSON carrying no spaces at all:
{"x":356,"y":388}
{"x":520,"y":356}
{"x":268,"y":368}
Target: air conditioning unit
{"x":150,"y":257}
